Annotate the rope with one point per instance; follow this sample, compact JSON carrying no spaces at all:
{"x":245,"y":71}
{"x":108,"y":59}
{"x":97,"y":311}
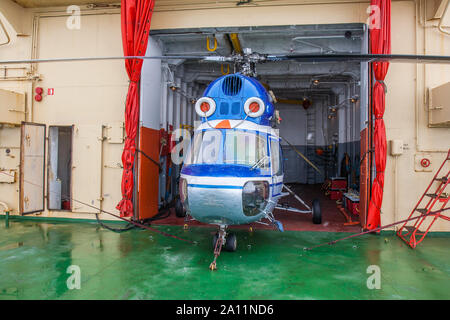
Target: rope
{"x":377,"y":229}
{"x":150,"y":158}
{"x":137,"y":224}
{"x":365,"y":154}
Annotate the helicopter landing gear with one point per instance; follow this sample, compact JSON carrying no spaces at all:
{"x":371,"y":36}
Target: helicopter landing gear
{"x":230,"y":243}
{"x":222,"y":240}
{"x":314,"y":210}
{"x":279,"y":225}
{"x":316,"y":213}
{"x":179,"y":209}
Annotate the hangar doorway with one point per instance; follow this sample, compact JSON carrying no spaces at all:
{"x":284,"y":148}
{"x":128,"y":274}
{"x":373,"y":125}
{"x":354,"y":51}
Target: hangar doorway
{"x":324,"y":106}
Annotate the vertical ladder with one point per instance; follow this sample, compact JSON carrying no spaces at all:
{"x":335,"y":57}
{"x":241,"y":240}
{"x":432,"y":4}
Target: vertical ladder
{"x":310,"y":143}
{"x":423,"y":210}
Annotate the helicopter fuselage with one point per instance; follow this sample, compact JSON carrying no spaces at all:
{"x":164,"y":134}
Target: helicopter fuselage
{"x":232,"y":172}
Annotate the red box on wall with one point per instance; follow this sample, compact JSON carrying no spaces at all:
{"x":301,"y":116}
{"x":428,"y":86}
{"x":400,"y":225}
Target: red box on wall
{"x":338,"y":183}
{"x":353,"y":207}
{"x":352,"y":204}
{"x":336,"y":194}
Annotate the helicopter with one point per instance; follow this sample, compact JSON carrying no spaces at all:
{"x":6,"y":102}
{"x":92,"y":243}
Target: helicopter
{"x":225,"y":187}
{"x":233,"y":170}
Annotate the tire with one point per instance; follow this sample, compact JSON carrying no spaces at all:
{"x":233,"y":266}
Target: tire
{"x":179,"y":209}
{"x":316,"y":213}
{"x":231,"y":243}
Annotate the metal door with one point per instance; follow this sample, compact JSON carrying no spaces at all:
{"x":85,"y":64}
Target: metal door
{"x":32,"y":167}
{"x":87,"y":168}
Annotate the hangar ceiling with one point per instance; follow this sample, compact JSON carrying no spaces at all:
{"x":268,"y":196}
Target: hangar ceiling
{"x":290,"y":79}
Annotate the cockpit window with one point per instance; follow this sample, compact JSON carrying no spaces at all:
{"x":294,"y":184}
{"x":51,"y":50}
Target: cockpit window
{"x":246,"y":148}
{"x":205,"y":148}
{"x":228,"y":147}
{"x":276,"y":157}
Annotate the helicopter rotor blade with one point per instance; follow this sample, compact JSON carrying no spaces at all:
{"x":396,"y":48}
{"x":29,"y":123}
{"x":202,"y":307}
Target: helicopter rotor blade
{"x":404,"y":58}
{"x":202,"y":58}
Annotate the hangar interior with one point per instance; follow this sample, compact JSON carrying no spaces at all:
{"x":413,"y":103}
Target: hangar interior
{"x":322,"y":106}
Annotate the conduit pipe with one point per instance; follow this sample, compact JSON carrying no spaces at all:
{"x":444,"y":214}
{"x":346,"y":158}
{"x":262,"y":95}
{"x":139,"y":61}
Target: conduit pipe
{"x":5,"y":206}
{"x":395,"y":189}
{"x":7,"y":211}
{"x":440,"y":27}
{"x":8,"y":38}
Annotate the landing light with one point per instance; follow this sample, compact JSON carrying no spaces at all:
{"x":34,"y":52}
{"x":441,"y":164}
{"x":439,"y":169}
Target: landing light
{"x":205,"y":107}
{"x":254,"y":107}
{"x":254,"y":197}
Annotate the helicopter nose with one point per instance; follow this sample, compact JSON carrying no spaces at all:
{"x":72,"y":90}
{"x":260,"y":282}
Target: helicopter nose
{"x":215,"y":204}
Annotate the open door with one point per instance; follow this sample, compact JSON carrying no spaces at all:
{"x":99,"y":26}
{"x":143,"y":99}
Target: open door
{"x":32,"y":161}
{"x":59,"y":168}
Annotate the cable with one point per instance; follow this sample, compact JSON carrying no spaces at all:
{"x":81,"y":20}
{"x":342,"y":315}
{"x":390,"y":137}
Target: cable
{"x":162,"y":214}
{"x":137,"y":224}
{"x":117,"y":230}
{"x":150,"y":158}
{"x":377,"y":229}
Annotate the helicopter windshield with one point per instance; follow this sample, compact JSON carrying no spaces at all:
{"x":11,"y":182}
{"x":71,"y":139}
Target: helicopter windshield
{"x":218,"y":146}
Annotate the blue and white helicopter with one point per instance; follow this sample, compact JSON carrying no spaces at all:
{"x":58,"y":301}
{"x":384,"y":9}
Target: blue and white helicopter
{"x":233,"y":169}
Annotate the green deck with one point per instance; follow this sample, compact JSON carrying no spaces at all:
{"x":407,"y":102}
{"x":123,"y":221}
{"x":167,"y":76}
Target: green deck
{"x":139,"y":264}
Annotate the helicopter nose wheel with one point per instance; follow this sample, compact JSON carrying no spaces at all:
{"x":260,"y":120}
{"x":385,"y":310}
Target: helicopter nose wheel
{"x":179,"y":209}
{"x":222,"y":240}
{"x":230,"y":243}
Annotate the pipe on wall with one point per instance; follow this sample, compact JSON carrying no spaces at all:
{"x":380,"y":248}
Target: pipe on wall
{"x":395,"y":189}
{"x":440,"y":26}
{"x":5,"y":207}
{"x":8,"y":38}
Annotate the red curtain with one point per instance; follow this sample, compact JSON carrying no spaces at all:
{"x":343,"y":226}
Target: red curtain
{"x":136,"y":16}
{"x":380,"y":40}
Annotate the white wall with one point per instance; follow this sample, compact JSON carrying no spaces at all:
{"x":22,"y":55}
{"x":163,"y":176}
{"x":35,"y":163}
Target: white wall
{"x":151,"y":87}
{"x":293,"y":126}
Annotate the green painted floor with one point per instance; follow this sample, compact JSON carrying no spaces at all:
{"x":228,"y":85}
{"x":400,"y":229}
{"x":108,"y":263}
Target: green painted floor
{"x":138,"y":264}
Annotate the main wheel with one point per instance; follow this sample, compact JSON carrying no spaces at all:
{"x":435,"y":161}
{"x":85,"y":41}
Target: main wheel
{"x":231,"y":243}
{"x":179,"y":209}
{"x":316,"y":213}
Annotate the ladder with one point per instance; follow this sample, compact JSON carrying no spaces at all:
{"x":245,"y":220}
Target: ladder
{"x":423,"y":211}
{"x":310,"y":143}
